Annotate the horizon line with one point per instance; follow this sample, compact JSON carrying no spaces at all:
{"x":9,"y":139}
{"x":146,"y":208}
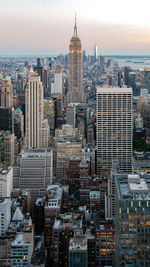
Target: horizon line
{"x":56,"y":55}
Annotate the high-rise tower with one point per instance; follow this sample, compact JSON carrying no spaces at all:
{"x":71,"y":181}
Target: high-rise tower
{"x":95,"y":52}
{"x":114,"y":128}
{"x":7,"y":93}
{"x":75,"y":92}
{"x":147,"y":78}
{"x":37,"y":129}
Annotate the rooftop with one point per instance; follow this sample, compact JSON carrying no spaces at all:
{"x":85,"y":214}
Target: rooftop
{"x":78,"y":243}
{"x":73,"y":221}
{"x":18,"y":216}
{"x":54,"y":196}
{"x":133,"y":186}
{"x":114,"y":89}
{"x":54,"y":191}
{"x":4,"y":200}
{"x":18,"y":110}
{"x":4,"y":172}
{"x":29,"y":152}
{"x":19,"y":241}
{"x":7,"y":78}
{"x":39,"y":201}
{"x":141,"y":156}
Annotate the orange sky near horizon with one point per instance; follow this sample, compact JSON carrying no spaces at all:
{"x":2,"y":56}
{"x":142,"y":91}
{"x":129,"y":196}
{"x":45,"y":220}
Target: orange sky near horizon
{"x":45,"y":26}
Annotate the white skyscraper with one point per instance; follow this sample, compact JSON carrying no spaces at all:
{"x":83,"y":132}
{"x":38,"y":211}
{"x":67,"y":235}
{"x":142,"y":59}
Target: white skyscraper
{"x":58,"y":80}
{"x":114,"y":128}
{"x":37,"y":129}
{"x":96,"y":52}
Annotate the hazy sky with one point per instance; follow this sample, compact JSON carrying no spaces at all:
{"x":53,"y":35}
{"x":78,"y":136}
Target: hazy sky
{"x":45,"y":26}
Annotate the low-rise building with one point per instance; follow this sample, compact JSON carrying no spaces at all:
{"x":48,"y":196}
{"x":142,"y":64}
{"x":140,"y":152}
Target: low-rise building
{"x":78,"y":250}
{"x":20,"y":252}
{"x":63,"y":230}
{"x":105,"y":244}
{"x":141,"y":162}
{"x":52,"y":208}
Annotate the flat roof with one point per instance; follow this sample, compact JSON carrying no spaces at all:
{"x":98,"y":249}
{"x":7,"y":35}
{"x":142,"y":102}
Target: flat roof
{"x":133,"y":186}
{"x":78,"y":243}
{"x":19,"y":240}
{"x":117,"y":90}
{"x":138,"y":187}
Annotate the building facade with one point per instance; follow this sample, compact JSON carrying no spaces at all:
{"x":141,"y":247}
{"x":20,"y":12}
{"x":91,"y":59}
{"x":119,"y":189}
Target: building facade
{"x":114,"y":128}
{"x":132,"y":213}
{"x":71,"y":115}
{"x":64,"y":151}
{"x":7,"y":93}
{"x":58,"y":85}
{"x":9,"y":149}
{"x":33,"y":170}
{"x":147,"y":78}
{"x":49,"y":114}
{"x":5,"y":214}
{"x":6,"y":182}
{"x":78,"y":250}
{"x":37,"y":129}
{"x":75,"y":92}
{"x":7,"y":119}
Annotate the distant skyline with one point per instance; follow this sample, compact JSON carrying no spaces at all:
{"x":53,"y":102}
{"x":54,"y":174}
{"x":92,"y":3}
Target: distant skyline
{"x":45,"y":27}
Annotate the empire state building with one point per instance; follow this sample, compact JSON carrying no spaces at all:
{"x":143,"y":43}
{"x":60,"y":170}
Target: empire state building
{"x":75,"y":92}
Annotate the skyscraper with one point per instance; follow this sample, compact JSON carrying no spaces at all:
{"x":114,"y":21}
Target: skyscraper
{"x":37,"y":129}
{"x":71,"y":115}
{"x":34,"y":170}
{"x":75,"y":92}
{"x":9,"y":149}
{"x":7,"y":119}
{"x":95,"y":52}
{"x":7,"y":93}
{"x":39,"y":69}
{"x":58,"y":85}
{"x":132,"y":219}
{"x":147,"y":78}
{"x":114,"y":128}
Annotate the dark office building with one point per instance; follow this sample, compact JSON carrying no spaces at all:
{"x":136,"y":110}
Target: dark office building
{"x":126,"y":76}
{"x":132,"y":219}
{"x":7,"y":119}
{"x":39,"y":215}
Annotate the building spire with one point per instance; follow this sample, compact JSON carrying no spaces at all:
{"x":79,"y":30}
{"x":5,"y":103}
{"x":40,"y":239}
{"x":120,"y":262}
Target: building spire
{"x":31,"y":69}
{"x":75,"y":26}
